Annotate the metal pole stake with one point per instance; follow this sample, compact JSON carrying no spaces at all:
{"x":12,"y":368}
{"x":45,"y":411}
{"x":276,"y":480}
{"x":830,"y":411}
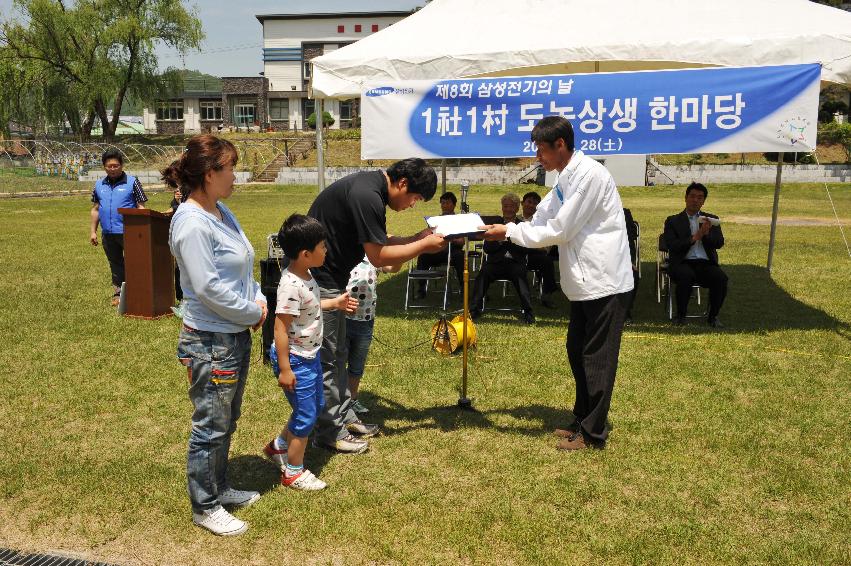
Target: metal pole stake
{"x":464,"y":402}
{"x":774,"y":211}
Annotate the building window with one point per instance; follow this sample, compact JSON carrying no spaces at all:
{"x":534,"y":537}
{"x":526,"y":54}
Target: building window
{"x":374,"y":27}
{"x":279,"y":108}
{"x":244,"y":114}
{"x":212,"y":110}
{"x":308,"y":107}
{"x":170,"y":110}
{"x":341,"y":29}
{"x":357,"y":28}
{"x":346,"y":114}
{"x":306,"y":70}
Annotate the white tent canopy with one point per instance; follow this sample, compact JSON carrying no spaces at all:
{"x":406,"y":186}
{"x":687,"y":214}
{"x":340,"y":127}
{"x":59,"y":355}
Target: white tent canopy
{"x":450,"y":39}
{"x":453,"y":39}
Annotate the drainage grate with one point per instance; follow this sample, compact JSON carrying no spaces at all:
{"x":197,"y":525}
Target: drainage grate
{"x":13,"y":558}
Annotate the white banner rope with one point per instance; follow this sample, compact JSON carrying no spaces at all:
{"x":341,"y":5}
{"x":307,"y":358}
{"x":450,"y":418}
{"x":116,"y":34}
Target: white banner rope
{"x":833,"y":206}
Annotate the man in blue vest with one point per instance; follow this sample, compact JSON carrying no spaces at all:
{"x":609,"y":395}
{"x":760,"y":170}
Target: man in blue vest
{"x":116,"y":190}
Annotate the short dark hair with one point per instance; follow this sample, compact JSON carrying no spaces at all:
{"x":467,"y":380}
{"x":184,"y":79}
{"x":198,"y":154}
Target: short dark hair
{"x":299,"y":233}
{"x":695,"y":186}
{"x":422,"y":180}
{"x":111,"y":154}
{"x":532,"y":195}
{"x":551,"y":128}
{"x":449,"y":196}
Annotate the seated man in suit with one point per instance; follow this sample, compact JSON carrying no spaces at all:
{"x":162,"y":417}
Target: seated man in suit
{"x":539,"y":259}
{"x":455,"y":253}
{"x":504,"y":261}
{"x":631,"y":239}
{"x":692,"y":237}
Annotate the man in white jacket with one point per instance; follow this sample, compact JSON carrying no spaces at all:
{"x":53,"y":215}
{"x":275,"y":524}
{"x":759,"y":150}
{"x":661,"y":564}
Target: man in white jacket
{"x":583,"y":216}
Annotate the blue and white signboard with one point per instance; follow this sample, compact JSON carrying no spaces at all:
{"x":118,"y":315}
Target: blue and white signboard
{"x":678,"y":111}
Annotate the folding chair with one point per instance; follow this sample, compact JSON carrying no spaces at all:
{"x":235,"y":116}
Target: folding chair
{"x":537,"y":282}
{"x":506,"y":284}
{"x":474,"y":256}
{"x":427,"y":275}
{"x":664,"y":285}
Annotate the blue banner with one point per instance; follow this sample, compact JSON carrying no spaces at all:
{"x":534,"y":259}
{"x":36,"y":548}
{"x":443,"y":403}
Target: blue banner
{"x":677,"y":111}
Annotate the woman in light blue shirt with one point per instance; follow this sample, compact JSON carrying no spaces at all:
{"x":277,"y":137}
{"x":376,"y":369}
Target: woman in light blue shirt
{"x":222,"y":302}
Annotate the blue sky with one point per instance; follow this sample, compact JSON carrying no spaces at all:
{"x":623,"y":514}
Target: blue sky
{"x":234,"y":36}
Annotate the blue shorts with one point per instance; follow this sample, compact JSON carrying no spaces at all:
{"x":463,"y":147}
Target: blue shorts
{"x":308,"y":399}
{"x":358,"y":339}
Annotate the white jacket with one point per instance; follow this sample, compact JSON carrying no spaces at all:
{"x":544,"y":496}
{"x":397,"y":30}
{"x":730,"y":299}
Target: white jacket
{"x":583,"y":216}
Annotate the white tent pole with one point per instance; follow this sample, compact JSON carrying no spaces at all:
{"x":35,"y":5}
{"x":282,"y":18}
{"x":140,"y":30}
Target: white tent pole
{"x":320,"y":146}
{"x":774,"y":210}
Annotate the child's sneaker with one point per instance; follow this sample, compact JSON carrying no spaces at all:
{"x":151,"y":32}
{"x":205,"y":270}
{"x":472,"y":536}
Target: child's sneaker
{"x":219,"y":522}
{"x":278,"y":457}
{"x":238,"y":498}
{"x":305,"y":481}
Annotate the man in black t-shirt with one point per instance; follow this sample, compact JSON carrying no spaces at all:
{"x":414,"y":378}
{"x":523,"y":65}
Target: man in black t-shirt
{"x":353,"y":211}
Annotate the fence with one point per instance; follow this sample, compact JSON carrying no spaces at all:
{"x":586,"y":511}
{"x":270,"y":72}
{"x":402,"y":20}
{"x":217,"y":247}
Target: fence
{"x":72,"y":160}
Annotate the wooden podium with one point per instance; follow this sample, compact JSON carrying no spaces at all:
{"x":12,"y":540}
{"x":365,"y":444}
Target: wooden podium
{"x":148,"y":265}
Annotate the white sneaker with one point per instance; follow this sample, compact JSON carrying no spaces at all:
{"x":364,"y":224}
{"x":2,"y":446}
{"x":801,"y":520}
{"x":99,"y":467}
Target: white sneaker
{"x":305,"y":481}
{"x":362,"y":429}
{"x":348,"y":444}
{"x":238,"y":498}
{"x":220,"y":522}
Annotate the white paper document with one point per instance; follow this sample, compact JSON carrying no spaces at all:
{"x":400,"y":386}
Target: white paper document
{"x":456,"y":225}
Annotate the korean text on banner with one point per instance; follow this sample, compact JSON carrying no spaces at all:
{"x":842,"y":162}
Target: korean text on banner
{"x":677,"y":111}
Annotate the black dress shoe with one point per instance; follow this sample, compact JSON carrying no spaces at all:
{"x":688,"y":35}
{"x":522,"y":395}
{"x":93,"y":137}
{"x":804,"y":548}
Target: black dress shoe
{"x":679,"y":321}
{"x":475,"y":314}
{"x":715,"y":323}
{"x":528,"y":317}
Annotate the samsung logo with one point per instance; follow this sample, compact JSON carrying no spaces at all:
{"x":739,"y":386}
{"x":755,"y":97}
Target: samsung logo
{"x":380,"y":91}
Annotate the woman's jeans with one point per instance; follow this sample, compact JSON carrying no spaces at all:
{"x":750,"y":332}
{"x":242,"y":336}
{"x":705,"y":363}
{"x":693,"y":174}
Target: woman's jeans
{"x":217,"y":365}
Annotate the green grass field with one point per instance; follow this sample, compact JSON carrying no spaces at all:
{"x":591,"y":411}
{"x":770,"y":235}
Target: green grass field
{"x":25,"y":180}
{"x":728,"y":447}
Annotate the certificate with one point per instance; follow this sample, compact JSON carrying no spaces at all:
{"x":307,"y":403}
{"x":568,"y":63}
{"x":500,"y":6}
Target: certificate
{"x":456,"y":225}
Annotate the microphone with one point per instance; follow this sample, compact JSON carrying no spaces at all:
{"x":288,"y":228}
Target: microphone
{"x":465,"y":189}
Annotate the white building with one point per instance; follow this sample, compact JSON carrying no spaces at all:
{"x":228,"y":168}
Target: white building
{"x":291,"y":40}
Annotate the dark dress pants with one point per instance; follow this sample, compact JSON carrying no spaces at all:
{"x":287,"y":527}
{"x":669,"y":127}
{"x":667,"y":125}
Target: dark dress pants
{"x":593,"y":344}
{"x":633,"y":294}
{"x":540,"y":261}
{"x":456,"y":260}
{"x":113,"y":247}
{"x":699,"y":272}
{"x":513,"y":271}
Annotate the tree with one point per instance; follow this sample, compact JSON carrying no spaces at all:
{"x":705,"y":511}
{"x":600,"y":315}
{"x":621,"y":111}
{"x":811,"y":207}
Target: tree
{"x":95,"y":52}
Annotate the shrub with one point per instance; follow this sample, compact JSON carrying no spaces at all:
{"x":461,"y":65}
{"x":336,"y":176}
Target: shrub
{"x":348,"y":134}
{"x":327,"y":120}
{"x":790,"y":157}
{"x":836,"y":133}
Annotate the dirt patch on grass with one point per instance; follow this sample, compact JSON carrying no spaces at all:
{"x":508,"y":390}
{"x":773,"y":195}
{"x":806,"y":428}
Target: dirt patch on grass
{"x":784,"y":221}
